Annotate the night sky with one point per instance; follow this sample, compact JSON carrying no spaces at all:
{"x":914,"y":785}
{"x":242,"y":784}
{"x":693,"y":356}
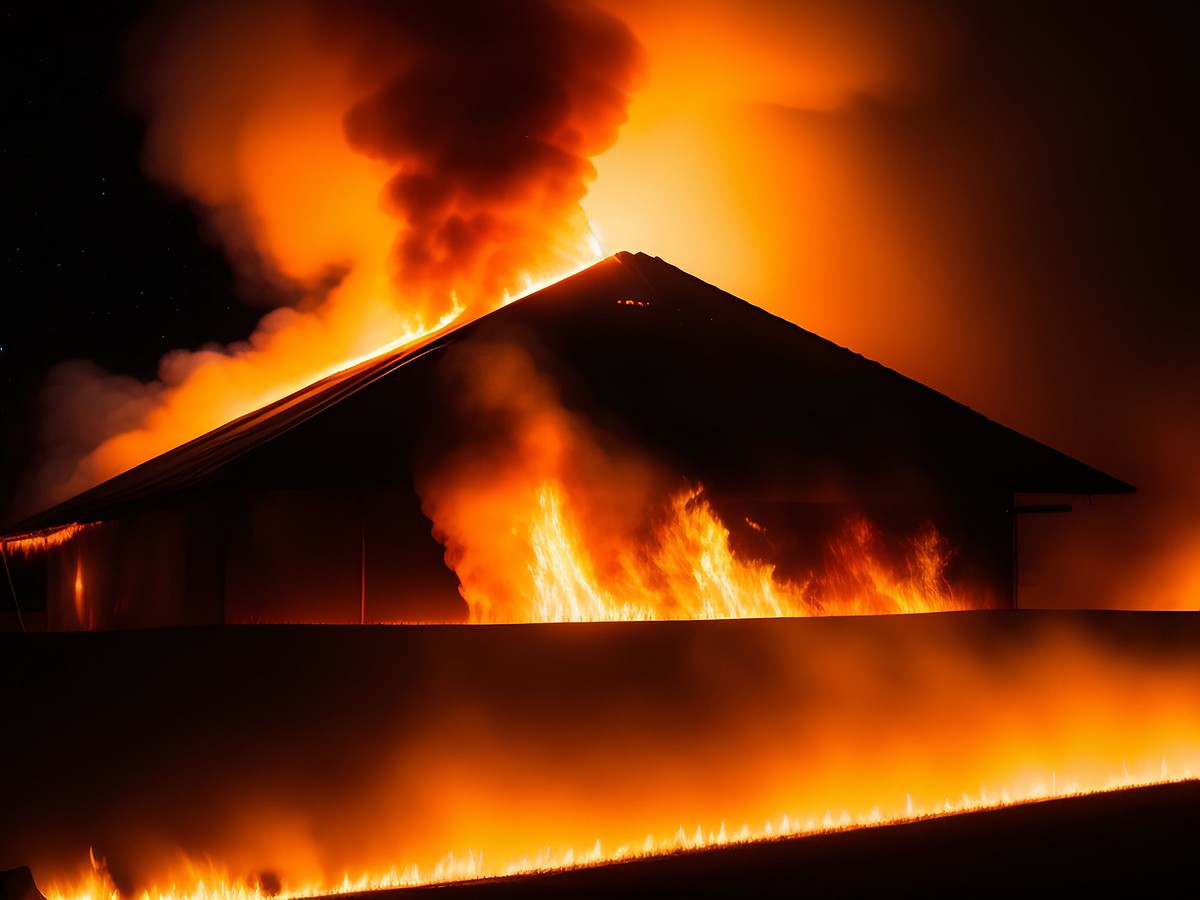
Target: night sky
{"x":99,"y":263}
{"x":1083,"y":330}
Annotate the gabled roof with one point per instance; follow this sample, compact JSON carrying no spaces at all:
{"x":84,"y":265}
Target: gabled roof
{"x":708,"y":383}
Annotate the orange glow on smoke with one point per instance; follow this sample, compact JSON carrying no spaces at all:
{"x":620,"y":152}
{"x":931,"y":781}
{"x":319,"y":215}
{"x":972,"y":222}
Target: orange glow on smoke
{"x":748,"y":161}
{"x":372,"y":224}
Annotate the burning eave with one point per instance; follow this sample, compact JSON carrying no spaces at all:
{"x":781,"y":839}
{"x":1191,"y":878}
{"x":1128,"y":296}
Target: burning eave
{"x":30,"y":543}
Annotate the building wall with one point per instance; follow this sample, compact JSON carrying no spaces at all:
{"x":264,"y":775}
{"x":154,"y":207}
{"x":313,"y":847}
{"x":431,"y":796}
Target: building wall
{"x":347,"y":557}
{"x":153,"y":569}
{"x":335,"y":557}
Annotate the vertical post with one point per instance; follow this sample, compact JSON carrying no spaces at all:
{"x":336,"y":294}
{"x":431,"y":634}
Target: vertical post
{"x":8,"y":575}
{"x":223,"y":537}
{"x":1016,"y":564}
{"x":362,"y":577}
{"x":1028,"y":509}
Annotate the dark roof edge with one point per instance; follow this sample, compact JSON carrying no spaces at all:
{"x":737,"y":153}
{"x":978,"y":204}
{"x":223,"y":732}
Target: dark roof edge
{"x":1109,"y":483}
{"x":333,"y":388}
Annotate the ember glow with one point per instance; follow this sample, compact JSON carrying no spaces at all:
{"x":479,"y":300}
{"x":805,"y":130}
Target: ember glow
{"x":41,"y":541}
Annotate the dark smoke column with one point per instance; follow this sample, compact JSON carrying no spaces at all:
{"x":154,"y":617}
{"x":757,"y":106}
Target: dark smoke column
{"x":490,"y":112}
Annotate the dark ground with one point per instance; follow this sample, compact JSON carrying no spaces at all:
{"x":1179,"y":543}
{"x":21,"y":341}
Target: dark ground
{"x":1137,"y":841}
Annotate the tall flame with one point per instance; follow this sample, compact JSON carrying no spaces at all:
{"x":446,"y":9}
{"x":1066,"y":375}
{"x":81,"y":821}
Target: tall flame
{"x":690,"y":571}
{"x":547,"y":518}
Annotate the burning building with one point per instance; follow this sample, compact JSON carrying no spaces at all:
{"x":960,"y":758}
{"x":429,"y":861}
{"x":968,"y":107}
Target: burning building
{"x":557,"y":459}
{"x":630,"y":443}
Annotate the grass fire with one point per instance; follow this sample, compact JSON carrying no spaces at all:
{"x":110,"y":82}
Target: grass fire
{"x":384,"y":756}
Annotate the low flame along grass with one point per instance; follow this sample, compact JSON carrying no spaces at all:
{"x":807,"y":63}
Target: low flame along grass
{"x":209,"y":882}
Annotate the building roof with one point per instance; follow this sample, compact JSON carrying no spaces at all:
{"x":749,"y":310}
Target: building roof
{"x":723,"y":391}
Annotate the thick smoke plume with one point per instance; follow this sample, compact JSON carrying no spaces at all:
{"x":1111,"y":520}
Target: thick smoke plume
{"x":373,"y":169}
{"x":490,"y":113}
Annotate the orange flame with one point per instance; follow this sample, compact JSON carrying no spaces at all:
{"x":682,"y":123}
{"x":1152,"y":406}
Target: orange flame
{"x":546,"y":519}
{"x":548,"y":746}
{"x":41,"y":541}
{"x":213,"y":883}
{"x":691,"y":572}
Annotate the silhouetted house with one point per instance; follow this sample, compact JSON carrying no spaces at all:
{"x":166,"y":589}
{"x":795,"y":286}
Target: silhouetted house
{"x":305,"y":510}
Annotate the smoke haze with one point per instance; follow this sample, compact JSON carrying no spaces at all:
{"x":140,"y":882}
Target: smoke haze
{"x":374,"y":169}
{"x":995,"y":202}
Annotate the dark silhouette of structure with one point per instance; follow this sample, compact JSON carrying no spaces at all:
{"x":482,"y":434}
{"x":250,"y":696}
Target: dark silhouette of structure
{"x":305,"y":510}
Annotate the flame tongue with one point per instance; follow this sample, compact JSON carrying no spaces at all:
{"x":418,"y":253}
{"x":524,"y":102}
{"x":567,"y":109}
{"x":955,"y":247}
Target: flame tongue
{"x":546,"y":518}
{"x":691,"y":572}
